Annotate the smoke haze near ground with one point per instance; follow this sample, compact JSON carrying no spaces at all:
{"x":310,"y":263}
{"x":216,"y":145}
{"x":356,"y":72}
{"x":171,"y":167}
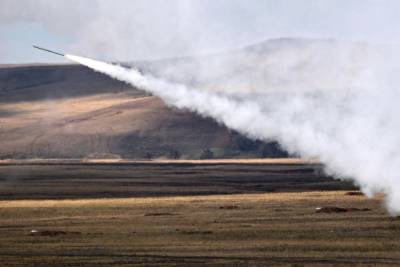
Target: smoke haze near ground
{"x":342,"y":112}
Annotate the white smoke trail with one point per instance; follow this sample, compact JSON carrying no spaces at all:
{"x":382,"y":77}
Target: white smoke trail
{"x":343,"y":129}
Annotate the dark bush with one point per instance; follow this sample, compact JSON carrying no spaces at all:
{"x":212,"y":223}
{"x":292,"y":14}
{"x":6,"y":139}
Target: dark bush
{"x":174,"y":154}
{"x":272,"y":150}
{"x":207,"y":154}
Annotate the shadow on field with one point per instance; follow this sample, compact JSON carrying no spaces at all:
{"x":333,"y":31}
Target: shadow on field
{"x":77,"y":181}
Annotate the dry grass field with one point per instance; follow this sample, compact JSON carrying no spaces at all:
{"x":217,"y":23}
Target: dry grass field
{"x":187,"y":214}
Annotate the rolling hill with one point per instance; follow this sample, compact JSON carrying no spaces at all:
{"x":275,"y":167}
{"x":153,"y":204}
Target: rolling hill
{"x":69,"y":111}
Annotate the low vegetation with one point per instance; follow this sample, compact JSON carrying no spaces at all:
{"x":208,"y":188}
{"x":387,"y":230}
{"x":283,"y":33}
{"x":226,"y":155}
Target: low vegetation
{"x":259,"y":229}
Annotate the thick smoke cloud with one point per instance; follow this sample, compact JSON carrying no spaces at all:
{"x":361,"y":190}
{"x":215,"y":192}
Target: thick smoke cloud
{"x":350,"y":125}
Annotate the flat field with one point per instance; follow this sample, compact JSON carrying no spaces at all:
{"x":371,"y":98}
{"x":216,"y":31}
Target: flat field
{"x":188,"y":213}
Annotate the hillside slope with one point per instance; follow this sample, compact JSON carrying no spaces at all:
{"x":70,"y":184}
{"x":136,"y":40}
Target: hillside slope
{"x":68,"y":111}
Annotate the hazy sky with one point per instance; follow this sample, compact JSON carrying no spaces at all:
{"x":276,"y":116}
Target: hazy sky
{"x":128,"y":29}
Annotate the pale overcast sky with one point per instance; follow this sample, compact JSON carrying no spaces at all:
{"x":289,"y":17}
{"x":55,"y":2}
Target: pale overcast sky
{"x":129,"y":29}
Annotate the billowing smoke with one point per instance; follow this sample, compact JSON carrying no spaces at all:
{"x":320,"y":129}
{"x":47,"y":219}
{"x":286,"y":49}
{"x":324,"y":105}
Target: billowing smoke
{"x":336,"y":105}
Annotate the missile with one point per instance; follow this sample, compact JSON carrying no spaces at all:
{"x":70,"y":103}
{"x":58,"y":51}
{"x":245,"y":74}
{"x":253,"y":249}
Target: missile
{"x":47,"y":50}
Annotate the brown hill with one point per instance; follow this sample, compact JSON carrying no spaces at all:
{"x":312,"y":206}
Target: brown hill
{"x":69,"y":111}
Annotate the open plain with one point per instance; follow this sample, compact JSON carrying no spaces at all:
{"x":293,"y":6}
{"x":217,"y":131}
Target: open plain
{"x":186,"y":213}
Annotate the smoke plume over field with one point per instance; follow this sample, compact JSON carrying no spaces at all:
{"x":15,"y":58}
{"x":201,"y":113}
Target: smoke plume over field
{"x":327,"y":100}
{"x":335,"y":102}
